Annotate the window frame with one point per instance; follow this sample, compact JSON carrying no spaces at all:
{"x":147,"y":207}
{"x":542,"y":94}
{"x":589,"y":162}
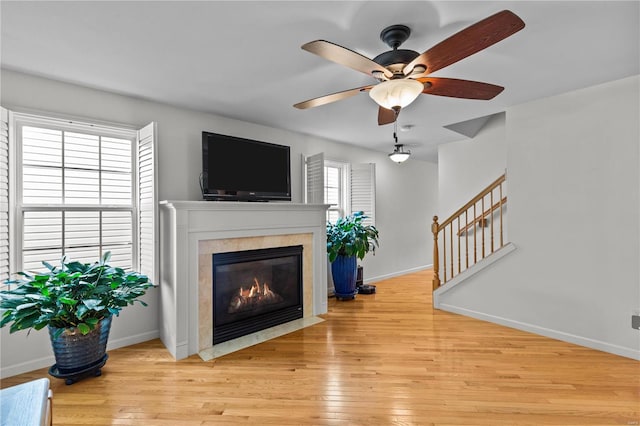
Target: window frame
{"x":17,"y":120}
{"x":344,"y":188}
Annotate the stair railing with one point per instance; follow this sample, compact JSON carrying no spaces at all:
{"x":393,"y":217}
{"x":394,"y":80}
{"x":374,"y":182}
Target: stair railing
{"x":463,"y":235}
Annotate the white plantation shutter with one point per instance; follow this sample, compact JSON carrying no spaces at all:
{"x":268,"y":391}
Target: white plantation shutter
{"x":4,"y":194}
{"x":75,"y":192}
{"x":315,"y":179}
{"x":147,"y":212}
{"x":363,"y":190}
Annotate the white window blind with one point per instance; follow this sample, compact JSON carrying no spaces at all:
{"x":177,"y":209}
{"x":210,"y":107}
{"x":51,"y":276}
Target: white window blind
{"x":4,"y":194}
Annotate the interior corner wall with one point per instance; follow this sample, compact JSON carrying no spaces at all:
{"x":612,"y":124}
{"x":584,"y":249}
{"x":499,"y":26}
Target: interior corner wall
{"x":468,"y":166}
{"x":406,"y":195}
{"x":574,"y":181}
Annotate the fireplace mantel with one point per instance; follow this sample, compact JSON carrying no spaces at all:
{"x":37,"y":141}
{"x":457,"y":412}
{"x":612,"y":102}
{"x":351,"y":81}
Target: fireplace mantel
{"x":185,"y":224}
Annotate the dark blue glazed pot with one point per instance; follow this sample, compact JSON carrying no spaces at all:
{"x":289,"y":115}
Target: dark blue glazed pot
{"x":344,"y":270}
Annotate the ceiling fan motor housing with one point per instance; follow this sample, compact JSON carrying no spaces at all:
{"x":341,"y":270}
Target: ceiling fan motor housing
{"x":394,"y":36}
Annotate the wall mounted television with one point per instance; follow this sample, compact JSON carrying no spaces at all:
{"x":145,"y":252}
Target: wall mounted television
{"x":237,"y":169}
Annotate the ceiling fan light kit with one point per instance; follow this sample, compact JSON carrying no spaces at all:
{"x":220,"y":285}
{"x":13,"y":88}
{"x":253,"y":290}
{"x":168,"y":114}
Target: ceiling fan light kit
{"x":403,"y":74}
{"x":399,"y":155}
{"x":392,"y":94}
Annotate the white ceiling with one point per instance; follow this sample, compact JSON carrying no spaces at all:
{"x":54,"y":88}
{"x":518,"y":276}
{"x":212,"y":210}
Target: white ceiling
{"x":242,"y":59}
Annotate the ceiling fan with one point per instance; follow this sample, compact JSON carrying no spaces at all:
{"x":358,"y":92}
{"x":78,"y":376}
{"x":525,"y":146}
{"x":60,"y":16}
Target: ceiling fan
{"x":403,"y":74}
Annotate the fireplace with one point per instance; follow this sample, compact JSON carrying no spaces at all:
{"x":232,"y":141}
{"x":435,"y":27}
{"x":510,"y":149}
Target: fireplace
{"x":255,"y":289}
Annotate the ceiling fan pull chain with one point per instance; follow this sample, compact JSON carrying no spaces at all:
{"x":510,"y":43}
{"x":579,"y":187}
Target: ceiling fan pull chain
{"x":395,"y":131}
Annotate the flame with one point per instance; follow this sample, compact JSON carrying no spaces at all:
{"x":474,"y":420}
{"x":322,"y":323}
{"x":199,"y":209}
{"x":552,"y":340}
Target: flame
{"x":252,"y":295}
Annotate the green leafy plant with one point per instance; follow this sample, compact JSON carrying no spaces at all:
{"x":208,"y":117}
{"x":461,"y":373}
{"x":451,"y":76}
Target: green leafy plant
{"x":350,"y":237}
{"x":72,"y":295}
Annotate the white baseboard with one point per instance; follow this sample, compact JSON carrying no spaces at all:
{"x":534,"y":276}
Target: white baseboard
{"x":132,"y":340}
{"x":397,"y":274}
{"x":48,"y":361}
{"x":178,"y":350}
{"x":553,"y":334}
{"x":25,"y":367}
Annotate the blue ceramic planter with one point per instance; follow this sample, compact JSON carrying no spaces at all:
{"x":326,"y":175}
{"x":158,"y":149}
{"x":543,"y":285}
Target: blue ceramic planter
{"x":344,"y":270}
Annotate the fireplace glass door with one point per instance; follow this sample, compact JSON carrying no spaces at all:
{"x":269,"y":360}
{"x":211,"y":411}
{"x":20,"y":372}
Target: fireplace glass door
{"x":255,"y":289}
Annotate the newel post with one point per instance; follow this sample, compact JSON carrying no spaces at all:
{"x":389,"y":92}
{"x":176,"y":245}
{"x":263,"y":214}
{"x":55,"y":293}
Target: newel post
{"x":436,"y":260}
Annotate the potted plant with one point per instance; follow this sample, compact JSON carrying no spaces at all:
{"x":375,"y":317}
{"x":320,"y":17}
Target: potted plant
{"x":348,"y":240}
{"x":76,"y":301}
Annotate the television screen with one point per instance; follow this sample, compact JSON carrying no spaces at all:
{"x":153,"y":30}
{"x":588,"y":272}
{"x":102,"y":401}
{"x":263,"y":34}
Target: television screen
{"x":241,"y":169}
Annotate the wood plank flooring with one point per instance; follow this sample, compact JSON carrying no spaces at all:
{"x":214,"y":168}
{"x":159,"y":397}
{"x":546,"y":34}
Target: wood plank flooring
{"x":381,"y":359}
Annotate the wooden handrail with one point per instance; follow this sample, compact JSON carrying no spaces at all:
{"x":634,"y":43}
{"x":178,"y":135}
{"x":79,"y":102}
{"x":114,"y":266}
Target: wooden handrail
{"x":474,"y":200}
{"x":481,"y":218}
{"x":436,"y":228}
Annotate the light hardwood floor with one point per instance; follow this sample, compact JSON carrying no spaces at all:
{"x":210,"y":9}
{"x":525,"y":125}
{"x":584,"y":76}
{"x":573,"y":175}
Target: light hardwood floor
{"x":381,"y":359}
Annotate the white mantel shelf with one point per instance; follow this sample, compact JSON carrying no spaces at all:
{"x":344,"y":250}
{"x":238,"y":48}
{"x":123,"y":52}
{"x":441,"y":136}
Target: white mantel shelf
{"x":183,"y":224}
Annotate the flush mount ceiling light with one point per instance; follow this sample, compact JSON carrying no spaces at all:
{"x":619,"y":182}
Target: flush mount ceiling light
{"x":396,"y":94}
{"x":399,"y":155}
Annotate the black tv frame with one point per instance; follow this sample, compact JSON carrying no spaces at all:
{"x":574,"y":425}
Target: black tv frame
{"x":243,"y":148}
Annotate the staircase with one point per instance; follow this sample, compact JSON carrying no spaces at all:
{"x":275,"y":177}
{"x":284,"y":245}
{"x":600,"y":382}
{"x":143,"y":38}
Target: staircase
{"x":471,"y":234}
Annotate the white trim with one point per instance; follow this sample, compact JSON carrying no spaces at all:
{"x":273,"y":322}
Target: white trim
{"x":547,"y":332}
{"x":132,"y":340}
{"x":32,"y":112}
{"x":67,"y":124}
{"x":25,"y":367}
{"x":398,"y":273}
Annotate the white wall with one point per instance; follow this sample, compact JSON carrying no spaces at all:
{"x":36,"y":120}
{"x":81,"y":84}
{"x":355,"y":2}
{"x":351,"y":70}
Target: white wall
{"x":468,"y":166}
{"x":465,"y":168}
{"x":573,"y":170}
{"x":406,"y":194}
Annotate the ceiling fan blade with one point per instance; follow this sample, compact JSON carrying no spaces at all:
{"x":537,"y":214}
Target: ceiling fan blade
{"x":343,"y":56}
{"x":338,"y":96}
{"x":471,"y":40}
{"x":455,"y":88}
{"x":386,"y":116}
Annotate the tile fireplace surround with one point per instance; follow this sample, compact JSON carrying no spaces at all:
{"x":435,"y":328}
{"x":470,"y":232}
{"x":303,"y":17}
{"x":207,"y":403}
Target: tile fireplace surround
{"x":191,"y":231}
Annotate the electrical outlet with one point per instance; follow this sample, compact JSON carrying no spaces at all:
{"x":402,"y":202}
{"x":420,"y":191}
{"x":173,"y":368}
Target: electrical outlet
{"x":635,"y":322}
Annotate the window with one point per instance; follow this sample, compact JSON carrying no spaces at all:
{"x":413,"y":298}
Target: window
{"x":80,"y":190}
{"x":347,"y":187}
{"x":335,"y":189}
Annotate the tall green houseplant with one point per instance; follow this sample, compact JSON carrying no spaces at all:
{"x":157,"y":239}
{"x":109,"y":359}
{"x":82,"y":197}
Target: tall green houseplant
{"x":349,"y":239}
